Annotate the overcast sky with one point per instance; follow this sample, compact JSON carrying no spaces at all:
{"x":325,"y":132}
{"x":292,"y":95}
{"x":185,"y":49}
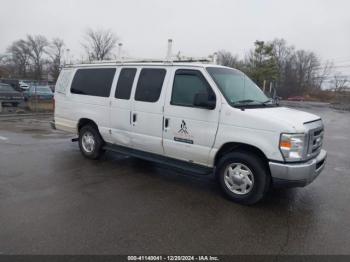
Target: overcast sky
{"x":197,"y":27}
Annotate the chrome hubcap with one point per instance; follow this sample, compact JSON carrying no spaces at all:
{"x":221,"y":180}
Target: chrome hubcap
{"x":88,"y":142}
{"x":239,"y":178}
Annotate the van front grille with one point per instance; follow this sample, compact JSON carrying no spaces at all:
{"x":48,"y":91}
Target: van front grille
{"x":315,"y":141}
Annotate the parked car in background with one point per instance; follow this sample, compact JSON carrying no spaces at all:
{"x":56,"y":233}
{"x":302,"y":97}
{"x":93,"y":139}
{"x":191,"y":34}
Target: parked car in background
{"x":14,"y":83}
{"x":23,"y":86}
{"x":39,"y":92}
{"x":295,"y":98}
{"x":9,"y":95}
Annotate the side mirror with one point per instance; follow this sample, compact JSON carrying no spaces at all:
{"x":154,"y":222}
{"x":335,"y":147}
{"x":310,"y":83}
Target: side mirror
{"x":202,"y":100}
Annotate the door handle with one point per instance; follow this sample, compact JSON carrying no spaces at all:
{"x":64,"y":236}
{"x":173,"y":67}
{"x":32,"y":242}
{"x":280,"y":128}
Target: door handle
{"x":166,"y":124}
{"x":134,"y":117}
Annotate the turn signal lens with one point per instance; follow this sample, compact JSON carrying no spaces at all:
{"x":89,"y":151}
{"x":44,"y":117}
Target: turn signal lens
{"x":286,"y":144}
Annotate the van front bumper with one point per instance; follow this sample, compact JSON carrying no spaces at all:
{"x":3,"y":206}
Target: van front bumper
{"x":297,"y":174}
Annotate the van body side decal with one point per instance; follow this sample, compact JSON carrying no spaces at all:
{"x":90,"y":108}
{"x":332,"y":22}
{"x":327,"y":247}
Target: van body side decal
{"x":183,"y":135}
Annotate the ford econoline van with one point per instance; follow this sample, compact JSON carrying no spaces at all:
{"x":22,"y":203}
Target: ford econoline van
{"x":197,"y":117}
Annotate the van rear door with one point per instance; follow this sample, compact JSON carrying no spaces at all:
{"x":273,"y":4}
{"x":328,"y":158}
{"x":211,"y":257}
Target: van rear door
{"x":121,"y":107}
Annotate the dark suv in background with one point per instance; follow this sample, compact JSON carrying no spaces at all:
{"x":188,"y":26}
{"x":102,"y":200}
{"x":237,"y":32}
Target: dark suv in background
{"x":9,"y":95}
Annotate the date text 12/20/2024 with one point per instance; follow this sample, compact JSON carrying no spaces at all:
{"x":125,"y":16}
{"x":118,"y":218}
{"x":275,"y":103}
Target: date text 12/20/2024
{"x":173,"y":258}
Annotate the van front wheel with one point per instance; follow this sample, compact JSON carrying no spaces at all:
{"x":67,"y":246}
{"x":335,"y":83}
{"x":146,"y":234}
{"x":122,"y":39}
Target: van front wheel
{"x":243,"y":177}
{"x":90,"y":142}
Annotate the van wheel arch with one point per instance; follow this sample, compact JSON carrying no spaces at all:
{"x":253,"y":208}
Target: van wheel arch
{"x":86,"y":121}
{"x":233,"y":146}
{"x":90,"y":141}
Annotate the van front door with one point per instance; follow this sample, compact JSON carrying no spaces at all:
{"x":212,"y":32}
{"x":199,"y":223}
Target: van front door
{"x":191,"y":117}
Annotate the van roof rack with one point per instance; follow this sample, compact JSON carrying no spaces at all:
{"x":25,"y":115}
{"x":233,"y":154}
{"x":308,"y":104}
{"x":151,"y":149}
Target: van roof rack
{"x":136,"y":61}
{"x":168,"y":60}
{"x":146,"y":60}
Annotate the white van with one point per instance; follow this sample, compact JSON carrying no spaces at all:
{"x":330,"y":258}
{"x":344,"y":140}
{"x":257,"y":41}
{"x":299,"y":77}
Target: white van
{"x":198,"y":117}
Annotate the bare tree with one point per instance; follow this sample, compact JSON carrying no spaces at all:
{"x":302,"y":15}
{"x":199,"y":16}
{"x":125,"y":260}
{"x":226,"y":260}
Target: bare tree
{"x":19,"y":54}
{"x":282,"y":54}
{"x":56,"y":53}
{"x":38,"y":47}
{"x":2,"y":58}
{"x":340,"y":82}
{"x":4,"y":66}
{"x":306,"y":65}
{"x":281,"y":51}
{"x":322,"y":74}
{"x":226,"y":58}
{"x":99,"y":44}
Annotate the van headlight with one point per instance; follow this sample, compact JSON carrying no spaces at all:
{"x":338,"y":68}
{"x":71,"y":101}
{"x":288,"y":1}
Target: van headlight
{"x":293,"y":146}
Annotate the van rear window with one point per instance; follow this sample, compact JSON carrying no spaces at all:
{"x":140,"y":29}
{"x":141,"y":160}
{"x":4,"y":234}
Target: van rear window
{"x":150,"y":85}
{"x":125,"y":81}
{"x":93,"y":82}
{"x":63,"y":81}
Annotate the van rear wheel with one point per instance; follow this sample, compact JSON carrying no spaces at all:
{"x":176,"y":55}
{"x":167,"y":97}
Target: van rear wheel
{"x":243,"y":177}
{"x":90,"y":142}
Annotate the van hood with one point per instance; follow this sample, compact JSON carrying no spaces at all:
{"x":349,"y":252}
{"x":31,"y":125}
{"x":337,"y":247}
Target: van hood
{"x":275,"y":119}
{"x":288,"y":117}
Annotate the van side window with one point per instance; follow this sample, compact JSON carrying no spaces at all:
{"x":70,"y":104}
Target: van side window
{"x":188,"y":83}
{"x":150,"y":84}
{"x":63,"y":81}
{"x":93,"y":82}
{"x":125,"y":81}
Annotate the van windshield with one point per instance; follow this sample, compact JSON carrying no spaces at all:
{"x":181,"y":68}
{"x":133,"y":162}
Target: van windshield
{"x":237,"y":88}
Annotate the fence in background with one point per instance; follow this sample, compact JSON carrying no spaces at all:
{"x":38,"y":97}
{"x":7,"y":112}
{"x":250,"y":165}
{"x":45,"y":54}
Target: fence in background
{"x":28,"y":106}
{"x":342,"y":101}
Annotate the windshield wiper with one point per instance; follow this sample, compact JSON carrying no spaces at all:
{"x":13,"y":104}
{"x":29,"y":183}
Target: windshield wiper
{"x":270,"y":100}
{"x":245,"y":101}
{"x":248,"y":101}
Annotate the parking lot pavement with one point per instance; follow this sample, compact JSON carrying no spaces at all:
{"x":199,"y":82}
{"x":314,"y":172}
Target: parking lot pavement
{"x":53,"y":201}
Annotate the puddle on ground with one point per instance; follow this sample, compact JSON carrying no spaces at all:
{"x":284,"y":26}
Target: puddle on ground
{"x":52,"y":136}
{"x":35,"y":130}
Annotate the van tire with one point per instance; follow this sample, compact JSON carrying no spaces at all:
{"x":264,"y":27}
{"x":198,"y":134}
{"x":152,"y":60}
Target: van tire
{"x":90,"y":142}
{"x":245,"y":169}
